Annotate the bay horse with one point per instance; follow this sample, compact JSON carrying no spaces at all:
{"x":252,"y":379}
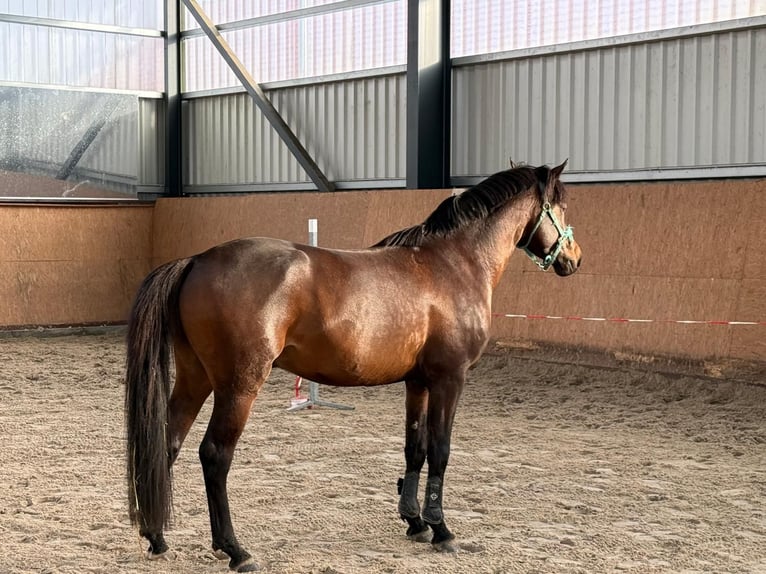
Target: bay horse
{"x":416,"y":307}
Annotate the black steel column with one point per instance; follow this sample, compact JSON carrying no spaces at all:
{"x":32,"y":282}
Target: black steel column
{"x":428,"y":93}
{"x":173,"y":136}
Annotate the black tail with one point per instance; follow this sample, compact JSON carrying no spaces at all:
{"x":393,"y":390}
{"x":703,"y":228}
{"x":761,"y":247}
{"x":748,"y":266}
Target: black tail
{"x":147,"y":387}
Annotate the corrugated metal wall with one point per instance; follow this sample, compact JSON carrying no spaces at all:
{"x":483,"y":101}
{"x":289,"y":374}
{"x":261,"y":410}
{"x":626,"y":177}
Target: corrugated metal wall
{"x":486,"y":26}
{"x":690,"y":102}
{"x":366,"y":37}
{"x":41,"y":55}
{"x":354,"y":129}
{"x":614,"y":105}
{"x":131,"y":13}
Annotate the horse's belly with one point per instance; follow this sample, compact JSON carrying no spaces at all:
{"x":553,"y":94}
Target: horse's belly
{"x":360,"y":360}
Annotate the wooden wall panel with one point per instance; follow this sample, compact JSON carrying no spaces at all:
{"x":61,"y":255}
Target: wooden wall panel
{"x":71,"y":265}
{"x":347,"y":220}
{"x":662,"y":251}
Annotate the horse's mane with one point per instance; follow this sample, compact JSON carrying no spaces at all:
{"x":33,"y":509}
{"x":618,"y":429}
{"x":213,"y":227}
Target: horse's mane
{"x":475,"y":203}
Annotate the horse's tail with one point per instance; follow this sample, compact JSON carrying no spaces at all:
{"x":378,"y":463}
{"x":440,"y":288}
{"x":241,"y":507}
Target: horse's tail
{"x":152,"y":320}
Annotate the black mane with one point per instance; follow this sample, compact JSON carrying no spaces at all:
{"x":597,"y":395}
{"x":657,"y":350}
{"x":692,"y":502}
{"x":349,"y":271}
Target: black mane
{"x":475,"y":203}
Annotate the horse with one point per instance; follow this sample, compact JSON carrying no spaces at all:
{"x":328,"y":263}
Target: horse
{"x":415,"y":307}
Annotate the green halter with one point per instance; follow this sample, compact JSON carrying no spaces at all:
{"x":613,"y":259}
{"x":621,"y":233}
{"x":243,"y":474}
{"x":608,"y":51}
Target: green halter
{"x":564,"y":235}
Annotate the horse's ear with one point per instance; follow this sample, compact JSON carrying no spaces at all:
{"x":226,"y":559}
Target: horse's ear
{"x":513,"y":165}
{"x":556,"y":171}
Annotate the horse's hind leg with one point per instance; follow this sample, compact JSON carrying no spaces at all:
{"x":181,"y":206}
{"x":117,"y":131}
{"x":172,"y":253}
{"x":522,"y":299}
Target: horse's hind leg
{"x":416,"y":436}
{"x":190,"y":391}
{"x":230,"y":412}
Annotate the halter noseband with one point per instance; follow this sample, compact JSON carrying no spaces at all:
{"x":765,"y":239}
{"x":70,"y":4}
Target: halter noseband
{"x":564,"y":235}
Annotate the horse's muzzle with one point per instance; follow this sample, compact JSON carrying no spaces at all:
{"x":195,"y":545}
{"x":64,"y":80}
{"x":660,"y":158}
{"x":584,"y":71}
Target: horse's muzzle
{"x":569,"y":260}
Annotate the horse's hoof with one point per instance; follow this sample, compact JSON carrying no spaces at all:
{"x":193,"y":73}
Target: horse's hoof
{"x":165,"y":556}
{"x":422,"y":536}
{"x":446,"y":546}
{"x":248,"y":565}
{"x":220,"y":554}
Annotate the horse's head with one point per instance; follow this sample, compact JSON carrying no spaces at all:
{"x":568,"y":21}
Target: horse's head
{"x":547,"y":239}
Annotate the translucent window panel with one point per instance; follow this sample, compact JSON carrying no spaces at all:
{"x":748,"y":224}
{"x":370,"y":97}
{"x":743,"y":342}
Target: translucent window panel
{"x":223,"y":11}
{"x":486,"y":26}
{"x":62,"y":143}
{"x":42,"y":55}
{"x":126,"y":13}
{"x":358,"y":39}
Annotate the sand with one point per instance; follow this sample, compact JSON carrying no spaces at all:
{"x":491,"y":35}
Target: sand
{"x":554,"y":468}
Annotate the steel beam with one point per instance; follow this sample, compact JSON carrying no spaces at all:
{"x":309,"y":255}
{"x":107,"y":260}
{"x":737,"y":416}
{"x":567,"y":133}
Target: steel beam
{"x":173,"y":120}
{"x":79,"y":26}
{"x":82,"y":89}
{"x":428,"y":93}
{"x":296,"y":14}
{"x":259,"y":97}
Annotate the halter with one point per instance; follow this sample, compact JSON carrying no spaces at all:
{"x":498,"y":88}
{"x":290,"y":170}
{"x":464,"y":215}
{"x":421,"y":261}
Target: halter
{"x":564,"y":235}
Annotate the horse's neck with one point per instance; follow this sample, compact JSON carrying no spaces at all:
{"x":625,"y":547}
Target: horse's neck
{"x":496,"y":240}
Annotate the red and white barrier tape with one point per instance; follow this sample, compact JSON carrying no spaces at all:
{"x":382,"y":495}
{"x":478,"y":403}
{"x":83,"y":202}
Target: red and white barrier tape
{"x":623,"y":320}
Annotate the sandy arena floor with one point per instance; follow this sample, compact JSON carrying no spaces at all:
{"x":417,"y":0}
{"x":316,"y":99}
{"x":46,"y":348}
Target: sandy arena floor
{"x":554,"y":468}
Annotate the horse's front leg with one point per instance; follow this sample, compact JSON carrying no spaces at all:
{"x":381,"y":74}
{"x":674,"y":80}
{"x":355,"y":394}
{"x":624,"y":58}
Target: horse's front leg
{"x":415,"y":441}
{"x":444,"y":394}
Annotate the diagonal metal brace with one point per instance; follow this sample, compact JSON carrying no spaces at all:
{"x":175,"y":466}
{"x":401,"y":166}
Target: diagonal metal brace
{"x":259,"y":97}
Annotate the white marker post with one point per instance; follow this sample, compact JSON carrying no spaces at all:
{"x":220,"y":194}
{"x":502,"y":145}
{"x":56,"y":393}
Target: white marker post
{"x":314,"y":399}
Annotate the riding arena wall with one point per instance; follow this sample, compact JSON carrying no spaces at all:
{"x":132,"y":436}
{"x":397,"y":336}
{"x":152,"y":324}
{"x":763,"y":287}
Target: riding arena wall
{"x":663,"y":251}
{"x":71,"y":264}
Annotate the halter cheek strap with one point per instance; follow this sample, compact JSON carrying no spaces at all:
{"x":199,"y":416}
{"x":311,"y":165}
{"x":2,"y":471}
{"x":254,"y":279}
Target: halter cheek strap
{"x":565,"y":234}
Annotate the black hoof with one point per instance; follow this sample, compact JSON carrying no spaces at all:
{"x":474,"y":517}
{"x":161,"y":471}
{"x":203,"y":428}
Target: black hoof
{"x":220,"y":554}
{"x":167,"y":555}
{"x":418,"y":530}
{"x":158,"y":548}
{"x":444,"y":540}
{"x":422,"y":536}
{"x":248,"y":565}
